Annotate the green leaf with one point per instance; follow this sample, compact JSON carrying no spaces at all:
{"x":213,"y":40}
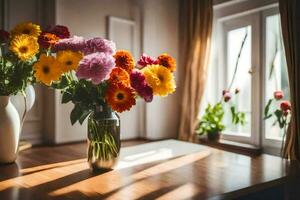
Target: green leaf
{"x":75,"y":114}
{"x":84,"y":115}
{"x":66,"y":97}
{"x":267,"y":108}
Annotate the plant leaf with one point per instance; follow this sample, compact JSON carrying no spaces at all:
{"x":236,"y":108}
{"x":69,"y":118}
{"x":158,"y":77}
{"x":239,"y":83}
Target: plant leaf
{"x":66,"y":97}
{"x":75,"y":114}
{"x":267,"y":108}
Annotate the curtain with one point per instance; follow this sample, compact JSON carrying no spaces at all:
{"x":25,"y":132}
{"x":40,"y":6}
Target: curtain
{"x":290,"y":22}
{"x":196,"y":25}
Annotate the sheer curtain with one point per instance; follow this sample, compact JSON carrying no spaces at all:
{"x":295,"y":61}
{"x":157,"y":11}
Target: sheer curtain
{"x":290,"y":22}
{"x":196,"y":25}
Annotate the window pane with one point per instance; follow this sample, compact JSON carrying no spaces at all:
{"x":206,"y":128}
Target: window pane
{"x":242,"y":80}
{"x":276,"y":77}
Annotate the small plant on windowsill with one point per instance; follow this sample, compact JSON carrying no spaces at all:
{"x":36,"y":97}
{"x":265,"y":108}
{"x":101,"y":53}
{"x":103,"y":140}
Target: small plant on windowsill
{"x":282,"y":111}
{"x":211,"y":122}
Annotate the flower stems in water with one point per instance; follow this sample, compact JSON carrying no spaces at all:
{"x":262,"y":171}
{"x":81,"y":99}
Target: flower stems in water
{"x":102,"y":143}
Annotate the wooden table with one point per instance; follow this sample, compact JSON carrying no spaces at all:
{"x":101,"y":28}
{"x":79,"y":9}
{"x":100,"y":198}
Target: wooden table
{"x":61,"y":172}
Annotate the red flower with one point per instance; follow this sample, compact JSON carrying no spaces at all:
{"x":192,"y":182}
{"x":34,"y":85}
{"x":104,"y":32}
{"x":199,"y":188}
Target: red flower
{"x":46,"y":40}
{"x":4,"y":35}
{"x":285,"y":113}
{"x":278,"y":95}
{"x":224,"y":92}
{"x":60,"y":31}
{"x":285,"y":106}
{"x":227,"y":96}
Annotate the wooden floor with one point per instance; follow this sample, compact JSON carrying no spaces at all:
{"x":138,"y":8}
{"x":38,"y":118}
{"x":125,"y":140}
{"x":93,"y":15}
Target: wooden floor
{"x":61,"y":172}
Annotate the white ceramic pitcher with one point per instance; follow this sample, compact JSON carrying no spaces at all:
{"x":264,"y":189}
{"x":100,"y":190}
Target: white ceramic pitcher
{"x":10,"y":126}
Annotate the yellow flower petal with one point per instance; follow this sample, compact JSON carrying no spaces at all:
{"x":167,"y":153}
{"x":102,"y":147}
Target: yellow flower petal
{"x":69,"y":60}
{"x":24,"y":46}
{"x":160,"y":79}
{"x":47,"y":69}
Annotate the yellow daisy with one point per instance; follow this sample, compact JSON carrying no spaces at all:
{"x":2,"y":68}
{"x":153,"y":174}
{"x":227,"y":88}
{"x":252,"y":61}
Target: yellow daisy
{"x":47,"y":69}
{"x":24,"y":46}
{"x":69,"y":60}
{"x":160,"y":79}
{"x":29,"y":28}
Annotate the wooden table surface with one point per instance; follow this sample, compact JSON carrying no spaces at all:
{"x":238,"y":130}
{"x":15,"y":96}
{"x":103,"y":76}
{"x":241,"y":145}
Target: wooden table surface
{"x":61,"y":172}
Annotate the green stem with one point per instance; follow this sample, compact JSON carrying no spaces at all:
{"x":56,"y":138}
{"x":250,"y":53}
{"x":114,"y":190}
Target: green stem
{"x":238,"y":60}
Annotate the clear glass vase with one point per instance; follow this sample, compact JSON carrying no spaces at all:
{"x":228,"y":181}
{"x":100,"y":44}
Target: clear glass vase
{"x":103,"y":138}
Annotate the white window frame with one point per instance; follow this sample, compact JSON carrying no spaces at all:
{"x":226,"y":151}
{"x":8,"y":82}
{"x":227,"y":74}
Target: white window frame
{"x":272,"y":146}
{"x":227,"y":18}
{"x":225,"y":26}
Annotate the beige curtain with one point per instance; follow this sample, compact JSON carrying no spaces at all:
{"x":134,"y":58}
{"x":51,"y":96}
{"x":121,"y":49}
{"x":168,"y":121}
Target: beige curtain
{"x":196,"y":25}
{"x":290,"y":22}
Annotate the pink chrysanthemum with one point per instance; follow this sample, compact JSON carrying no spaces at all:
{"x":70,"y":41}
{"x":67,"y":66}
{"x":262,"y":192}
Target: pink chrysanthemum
{"x":99,"y":45}
{"x":146,"y":60}
{"x":74,"y":43}
{"x":95,"y":67}
{"x":138,"y":82}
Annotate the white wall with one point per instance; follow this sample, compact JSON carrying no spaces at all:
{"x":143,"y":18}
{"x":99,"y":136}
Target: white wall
{"x":160,"y":35}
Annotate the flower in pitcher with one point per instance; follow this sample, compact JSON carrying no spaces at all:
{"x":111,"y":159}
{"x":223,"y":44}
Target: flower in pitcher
{"x":95,"y":67}
{"x":4,"y":35}
{"x":160,"y":79}
{"x":24,"y":46}
{"x":69,"y":60}
{"x":120,"y":97}
{"x":119,"y":75}
{"x":47,"y":40}
{"x":124,"y":60}
{"x":47,"y":69}
{"x":278,"y":95}
{"x":146,"y":60}
{"x":167,"y":61}
{"x":29,"y":28}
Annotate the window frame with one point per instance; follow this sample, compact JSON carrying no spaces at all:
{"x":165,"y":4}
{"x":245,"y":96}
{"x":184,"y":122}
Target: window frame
{"x":259,"y":14}
{"x":272,"y":146}
{"x":226,"y":26}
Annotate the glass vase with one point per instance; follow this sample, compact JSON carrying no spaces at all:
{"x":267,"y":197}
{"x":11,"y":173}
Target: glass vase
{"x":103,"y":138}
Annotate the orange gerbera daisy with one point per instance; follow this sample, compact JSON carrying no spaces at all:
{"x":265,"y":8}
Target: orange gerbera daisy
{"x":120,"y":97}
{"x":119,"y":75}
{"x":167,"y":61}
{"x":124,"y":60}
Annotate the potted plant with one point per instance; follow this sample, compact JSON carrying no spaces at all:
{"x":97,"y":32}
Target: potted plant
{"x":211,"y":122}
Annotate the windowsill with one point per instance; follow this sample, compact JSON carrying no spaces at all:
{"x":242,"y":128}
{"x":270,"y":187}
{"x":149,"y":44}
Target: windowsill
{"x":235,"y":147}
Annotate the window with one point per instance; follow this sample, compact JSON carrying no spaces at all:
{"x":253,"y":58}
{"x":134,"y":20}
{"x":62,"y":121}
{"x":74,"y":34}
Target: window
{"x":234,"y":41}
{"x":261,"y":68}
{"x":275,"y":73}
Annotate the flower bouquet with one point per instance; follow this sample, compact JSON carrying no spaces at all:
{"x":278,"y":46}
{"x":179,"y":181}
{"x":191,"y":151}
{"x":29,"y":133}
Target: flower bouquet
{"x":100,"y":82}
{"x":19,"y":51}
